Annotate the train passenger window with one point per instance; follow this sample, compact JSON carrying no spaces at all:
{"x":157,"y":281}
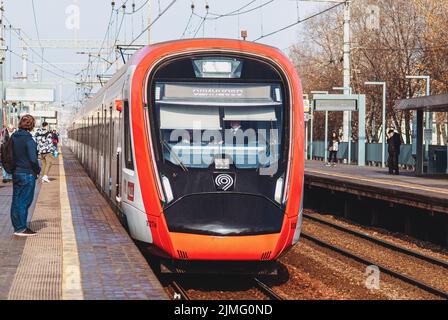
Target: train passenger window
{"x":128,"y":158}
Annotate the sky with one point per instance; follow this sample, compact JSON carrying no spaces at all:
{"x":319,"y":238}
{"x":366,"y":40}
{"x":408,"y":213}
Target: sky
{"x":58,"y":20}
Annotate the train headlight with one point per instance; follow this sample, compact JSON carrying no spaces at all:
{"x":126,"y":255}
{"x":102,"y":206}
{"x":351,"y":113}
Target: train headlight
{"x":217,"y":68}
{"x":167,"y":188}
{"x":279,"y":190}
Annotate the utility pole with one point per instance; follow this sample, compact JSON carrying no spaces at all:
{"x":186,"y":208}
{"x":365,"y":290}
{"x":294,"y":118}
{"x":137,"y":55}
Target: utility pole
{"x":149,"y":22}
{"x":2,"y":60}
{"x":346,"y":126}
{"x":347,"y":71}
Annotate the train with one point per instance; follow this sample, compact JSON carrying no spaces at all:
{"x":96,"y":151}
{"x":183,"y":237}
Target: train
{"x":199,"y":146}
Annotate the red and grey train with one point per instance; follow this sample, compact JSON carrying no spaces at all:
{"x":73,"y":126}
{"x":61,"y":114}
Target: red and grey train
{"x":157,"y":141}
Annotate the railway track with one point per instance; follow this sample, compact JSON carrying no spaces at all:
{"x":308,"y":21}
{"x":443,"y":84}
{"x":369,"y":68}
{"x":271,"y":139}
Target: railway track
{"x":180,"y":293}
{"x":401,"y":276}
{"x":380,"y":242}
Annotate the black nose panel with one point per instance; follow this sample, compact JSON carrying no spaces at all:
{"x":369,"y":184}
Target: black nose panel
{"x":224,"y":214}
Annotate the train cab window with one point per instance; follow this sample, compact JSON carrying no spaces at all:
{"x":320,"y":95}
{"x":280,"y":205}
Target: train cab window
{"x":239,"y":122}
{"x":128,"y":157}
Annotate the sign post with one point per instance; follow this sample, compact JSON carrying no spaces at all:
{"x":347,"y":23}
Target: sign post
{"x":344,"y":102}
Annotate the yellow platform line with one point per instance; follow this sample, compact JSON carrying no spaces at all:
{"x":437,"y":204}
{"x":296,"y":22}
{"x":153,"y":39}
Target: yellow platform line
{"x":390,"y":183}
{"x":71,"y":270}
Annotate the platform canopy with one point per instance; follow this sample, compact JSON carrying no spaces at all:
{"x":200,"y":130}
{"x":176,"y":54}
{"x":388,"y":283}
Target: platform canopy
{"x":438,"y":103}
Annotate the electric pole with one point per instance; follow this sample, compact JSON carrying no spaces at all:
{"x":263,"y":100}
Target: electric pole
{"x":149,"y":22}
{"x":347,"y":72}
{"x":2,"y":60}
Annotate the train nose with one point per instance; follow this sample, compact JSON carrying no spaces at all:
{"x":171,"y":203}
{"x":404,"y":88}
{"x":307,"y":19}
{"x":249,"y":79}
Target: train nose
{"x":238,"y":248}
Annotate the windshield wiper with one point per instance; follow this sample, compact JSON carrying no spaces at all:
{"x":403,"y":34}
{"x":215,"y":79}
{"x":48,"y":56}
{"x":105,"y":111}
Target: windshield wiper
{"x":174,"y":155}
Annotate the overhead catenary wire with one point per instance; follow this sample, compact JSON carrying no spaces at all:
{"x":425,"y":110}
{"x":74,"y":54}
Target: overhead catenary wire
{"x":40,"y":66}
{"x":235,"y":12}
{"x":138,"y":9}
{"x":22,"y":38}
{"x":152,"y":23}
{"x":37,"y":28}
{"x":299,"y":21}
{"x":189,"y":21}
{"x":202,"y":22}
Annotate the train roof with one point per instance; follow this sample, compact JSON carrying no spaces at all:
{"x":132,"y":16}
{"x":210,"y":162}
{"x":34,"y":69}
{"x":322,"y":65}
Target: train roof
{"x":137,"y":57}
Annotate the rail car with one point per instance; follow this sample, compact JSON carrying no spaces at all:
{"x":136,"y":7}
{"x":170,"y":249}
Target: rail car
{"x":199,"y":145}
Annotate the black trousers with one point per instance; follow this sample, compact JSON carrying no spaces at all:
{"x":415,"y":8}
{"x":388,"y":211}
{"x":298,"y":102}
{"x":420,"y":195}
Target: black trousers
{"x":392,"y":163}
{"x":333,"y":157}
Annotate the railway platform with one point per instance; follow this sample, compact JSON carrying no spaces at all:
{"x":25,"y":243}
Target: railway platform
{"x":415,"y":206}
{"x":81,"y":251}
{"x":421,"y":192}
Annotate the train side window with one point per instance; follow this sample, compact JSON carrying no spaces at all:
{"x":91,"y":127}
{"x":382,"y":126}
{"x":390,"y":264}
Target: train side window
{"x":128,"y":158}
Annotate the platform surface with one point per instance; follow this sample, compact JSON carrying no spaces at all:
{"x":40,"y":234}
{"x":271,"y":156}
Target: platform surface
{"x":81,"y":250}
{"x":430,"y":192}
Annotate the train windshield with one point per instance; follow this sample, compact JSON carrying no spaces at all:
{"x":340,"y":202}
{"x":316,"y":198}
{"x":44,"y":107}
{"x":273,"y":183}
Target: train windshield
{"x":220,"y":127}
{"x":217,"y":125}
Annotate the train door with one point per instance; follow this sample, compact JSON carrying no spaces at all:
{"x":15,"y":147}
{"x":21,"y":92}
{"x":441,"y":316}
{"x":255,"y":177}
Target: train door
{"x":97,"y":148}
{"x":109,"y":153}
{"x":89,"y":140}
{"x":104,"y":149}
{"x":115,"y":155}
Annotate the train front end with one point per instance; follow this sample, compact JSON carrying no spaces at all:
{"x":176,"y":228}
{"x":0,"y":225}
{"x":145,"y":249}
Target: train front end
{"x":224,"y":122}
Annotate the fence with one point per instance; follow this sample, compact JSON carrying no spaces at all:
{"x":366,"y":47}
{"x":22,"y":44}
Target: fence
{"x":373,"y":152}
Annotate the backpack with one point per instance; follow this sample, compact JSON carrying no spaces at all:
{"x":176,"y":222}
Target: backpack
{"x":7,"y":152}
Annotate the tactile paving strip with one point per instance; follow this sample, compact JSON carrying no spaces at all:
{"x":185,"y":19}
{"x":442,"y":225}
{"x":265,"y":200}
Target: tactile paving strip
{"x":38,"y":275}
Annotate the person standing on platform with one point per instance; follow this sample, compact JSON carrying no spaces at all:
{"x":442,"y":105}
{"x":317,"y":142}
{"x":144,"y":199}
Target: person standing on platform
{"x":26,"y":170}
{"x":333,"y":148}
{"x":394,"y":144}
{"x":4,"y":137}
{"x":45,"y":147}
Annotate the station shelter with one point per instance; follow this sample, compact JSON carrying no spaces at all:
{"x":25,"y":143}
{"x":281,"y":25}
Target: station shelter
{"x":430,"y":156}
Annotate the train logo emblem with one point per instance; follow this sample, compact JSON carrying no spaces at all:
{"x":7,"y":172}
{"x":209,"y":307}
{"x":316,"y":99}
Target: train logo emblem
{"x":224,"y":182}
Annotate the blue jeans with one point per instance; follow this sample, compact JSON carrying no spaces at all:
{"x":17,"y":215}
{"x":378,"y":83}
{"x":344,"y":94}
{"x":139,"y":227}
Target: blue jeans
{"x":6,"y":175}
{"x":22,"y":198}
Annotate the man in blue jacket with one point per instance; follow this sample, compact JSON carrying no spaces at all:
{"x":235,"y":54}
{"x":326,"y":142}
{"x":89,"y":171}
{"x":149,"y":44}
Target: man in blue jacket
{"x":24,"y":177}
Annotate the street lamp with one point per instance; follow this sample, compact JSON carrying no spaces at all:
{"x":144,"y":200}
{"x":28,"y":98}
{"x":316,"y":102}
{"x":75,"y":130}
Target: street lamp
{"x":383,"y":134}
{"x":312,"y":125}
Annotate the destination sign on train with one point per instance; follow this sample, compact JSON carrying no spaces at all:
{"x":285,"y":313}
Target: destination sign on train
{"x":265,"y":94}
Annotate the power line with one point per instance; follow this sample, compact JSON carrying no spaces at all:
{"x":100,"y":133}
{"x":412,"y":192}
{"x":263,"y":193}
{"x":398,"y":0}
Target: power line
{"x":152,"y":23}
{"x":145,"y":29}
{"x":189,"y":20}
{"x":202,"y":22}
{"x":40,"y":66}
{"x":234,"y":11}
{"x":20,"y":37}
{"x":298,"y":22}
{"x":138,"y":9}
{"x":37,"y":29}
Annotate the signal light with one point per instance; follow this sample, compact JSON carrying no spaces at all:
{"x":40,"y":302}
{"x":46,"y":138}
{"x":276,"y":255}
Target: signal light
{"x":119,"y":105}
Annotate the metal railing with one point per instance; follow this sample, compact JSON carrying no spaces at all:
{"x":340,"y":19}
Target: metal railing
{"x":373,"y":153}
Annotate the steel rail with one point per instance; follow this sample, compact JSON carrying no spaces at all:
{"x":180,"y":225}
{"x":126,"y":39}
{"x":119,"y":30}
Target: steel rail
{"x":379,"y":241}
{"x":267,"y":290}
{"x":179,"y":290}
{"x":382,"y":268}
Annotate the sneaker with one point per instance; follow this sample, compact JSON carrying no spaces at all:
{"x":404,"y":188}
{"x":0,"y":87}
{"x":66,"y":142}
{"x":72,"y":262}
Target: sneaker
{"x":45,"y":179}
{"x":328,"y":165}
{"x":25,"y":233}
